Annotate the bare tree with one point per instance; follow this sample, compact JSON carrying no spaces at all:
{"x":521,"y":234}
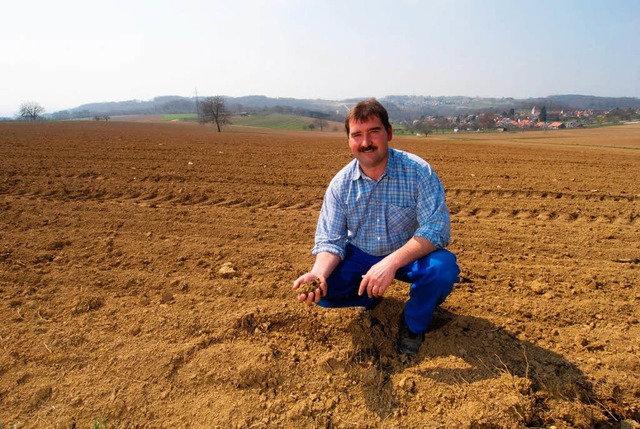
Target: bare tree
{"x":486,"y":121}
{"x":30,"y":111}
{"x":212,"y":109}
{"x":320,"y":123}
{"x":425,"y":127}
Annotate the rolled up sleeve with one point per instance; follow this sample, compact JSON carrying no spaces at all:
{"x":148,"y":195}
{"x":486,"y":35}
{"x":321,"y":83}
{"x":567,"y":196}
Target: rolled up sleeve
{"x":331,"y":231}
{"x":434,"y":222}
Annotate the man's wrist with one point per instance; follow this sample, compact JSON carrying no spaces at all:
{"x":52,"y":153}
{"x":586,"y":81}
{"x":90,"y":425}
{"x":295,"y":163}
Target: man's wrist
{"x":393,"y":261}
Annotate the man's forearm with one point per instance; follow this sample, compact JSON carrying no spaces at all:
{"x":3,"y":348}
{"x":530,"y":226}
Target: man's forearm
{"x":414,"y":249}
{"x":325,"y":263}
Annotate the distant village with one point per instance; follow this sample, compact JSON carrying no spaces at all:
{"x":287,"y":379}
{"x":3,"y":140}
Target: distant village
{"x":536,"y":118}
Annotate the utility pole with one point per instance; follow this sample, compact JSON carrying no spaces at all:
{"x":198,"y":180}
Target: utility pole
{"x":197,"y":105}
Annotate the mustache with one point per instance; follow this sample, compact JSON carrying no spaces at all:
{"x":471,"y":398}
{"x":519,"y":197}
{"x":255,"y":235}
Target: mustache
{"x":364,"y":149}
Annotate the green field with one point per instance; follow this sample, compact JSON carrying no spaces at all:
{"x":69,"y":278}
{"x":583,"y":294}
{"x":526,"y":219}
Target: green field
{"x":277,"y":121}
{"x":181,"y":117}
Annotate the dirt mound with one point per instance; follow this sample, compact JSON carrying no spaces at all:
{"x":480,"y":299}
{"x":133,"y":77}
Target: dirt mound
{"x":146,"y":272}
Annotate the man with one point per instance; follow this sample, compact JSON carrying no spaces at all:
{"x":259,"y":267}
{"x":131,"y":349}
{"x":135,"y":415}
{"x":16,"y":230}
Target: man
{"x":384,"y":216}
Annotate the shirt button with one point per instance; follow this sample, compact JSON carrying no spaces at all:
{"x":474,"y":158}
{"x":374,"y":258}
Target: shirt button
{"x":378,"y":238}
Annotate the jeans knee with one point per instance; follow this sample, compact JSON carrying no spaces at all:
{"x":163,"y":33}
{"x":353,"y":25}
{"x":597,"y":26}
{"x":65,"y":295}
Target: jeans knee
{"x":446,"y":269}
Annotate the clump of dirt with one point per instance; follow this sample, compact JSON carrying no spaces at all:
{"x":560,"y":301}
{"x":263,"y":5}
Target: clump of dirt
{"x":85,"y":304}
{"x":307,"y":288}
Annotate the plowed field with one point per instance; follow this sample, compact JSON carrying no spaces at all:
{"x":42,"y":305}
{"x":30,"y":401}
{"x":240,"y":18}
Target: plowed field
{"x":146,"y":271}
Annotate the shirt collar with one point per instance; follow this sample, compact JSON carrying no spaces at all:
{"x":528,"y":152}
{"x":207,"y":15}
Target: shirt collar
{"x":391,"y":164}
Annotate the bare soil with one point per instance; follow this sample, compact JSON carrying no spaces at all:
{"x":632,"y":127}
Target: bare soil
{"x":146,"y":273}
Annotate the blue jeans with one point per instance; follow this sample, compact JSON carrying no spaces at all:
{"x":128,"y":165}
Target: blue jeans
{"x":431,"y":277}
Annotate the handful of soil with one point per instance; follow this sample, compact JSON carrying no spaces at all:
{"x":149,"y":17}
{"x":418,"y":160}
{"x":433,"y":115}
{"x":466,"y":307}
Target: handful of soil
{"x":307,"y":288}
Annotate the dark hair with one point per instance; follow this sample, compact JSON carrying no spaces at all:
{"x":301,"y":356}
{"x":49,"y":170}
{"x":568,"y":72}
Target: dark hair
{"x":366,"y":110}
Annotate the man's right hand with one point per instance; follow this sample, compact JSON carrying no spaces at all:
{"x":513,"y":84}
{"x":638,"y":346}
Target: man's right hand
{"x":313,"y":297}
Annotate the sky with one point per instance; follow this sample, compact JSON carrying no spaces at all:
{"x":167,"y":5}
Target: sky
{"x":65,"y":53}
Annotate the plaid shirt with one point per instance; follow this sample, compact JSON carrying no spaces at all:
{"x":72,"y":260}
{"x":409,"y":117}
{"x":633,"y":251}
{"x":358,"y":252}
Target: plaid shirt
{"x":380,"y":217}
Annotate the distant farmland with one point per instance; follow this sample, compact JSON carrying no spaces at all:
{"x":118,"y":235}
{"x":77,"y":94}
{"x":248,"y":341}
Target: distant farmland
{"x":276,"y":121}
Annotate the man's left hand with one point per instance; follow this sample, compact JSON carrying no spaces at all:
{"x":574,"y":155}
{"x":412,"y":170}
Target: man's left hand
{"x":377,"y":279}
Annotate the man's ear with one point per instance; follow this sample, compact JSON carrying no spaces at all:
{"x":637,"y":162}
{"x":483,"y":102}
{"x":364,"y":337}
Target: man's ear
{"x":389,"y":132}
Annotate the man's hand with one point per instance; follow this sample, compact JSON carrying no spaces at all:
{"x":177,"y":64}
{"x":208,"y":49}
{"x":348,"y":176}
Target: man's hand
{"x":314,"y":296}
{"x":378,"y":279}
{"x":380,"y":276}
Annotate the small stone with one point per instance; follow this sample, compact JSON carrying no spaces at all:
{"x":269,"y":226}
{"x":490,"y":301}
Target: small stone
{"x":403,"y":382}
{"x":166,"y":297}
{"x":537,"y":287}
{"x":42,"y":395}
{"x":329,"y":404}
{"x":227,"y":271}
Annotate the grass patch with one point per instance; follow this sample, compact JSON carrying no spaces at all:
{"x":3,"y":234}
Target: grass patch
{"x":100,"y":423}
{"x":181,"y":117}
{"x":278,"y":121}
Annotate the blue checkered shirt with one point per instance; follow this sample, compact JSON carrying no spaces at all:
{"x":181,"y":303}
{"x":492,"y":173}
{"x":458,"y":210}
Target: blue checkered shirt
{"x":380,"y":217}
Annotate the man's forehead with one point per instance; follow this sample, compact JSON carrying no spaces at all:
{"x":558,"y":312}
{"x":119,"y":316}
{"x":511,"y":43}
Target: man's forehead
{"x":368,"y":122}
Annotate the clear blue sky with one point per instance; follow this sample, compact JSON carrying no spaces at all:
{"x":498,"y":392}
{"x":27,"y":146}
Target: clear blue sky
{"x":65,"y":53}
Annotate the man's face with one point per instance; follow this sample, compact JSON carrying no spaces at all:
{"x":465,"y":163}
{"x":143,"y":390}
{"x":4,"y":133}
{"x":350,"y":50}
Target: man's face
{"x":369,"y":143}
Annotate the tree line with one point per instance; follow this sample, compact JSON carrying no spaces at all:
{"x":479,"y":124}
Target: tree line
{"x":217,"y":111}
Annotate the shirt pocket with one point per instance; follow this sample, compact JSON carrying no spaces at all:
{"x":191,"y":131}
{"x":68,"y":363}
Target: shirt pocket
{"x":401,"y":220}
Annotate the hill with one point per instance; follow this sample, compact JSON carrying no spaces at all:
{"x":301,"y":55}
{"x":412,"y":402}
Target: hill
{"x":401,"y":107}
